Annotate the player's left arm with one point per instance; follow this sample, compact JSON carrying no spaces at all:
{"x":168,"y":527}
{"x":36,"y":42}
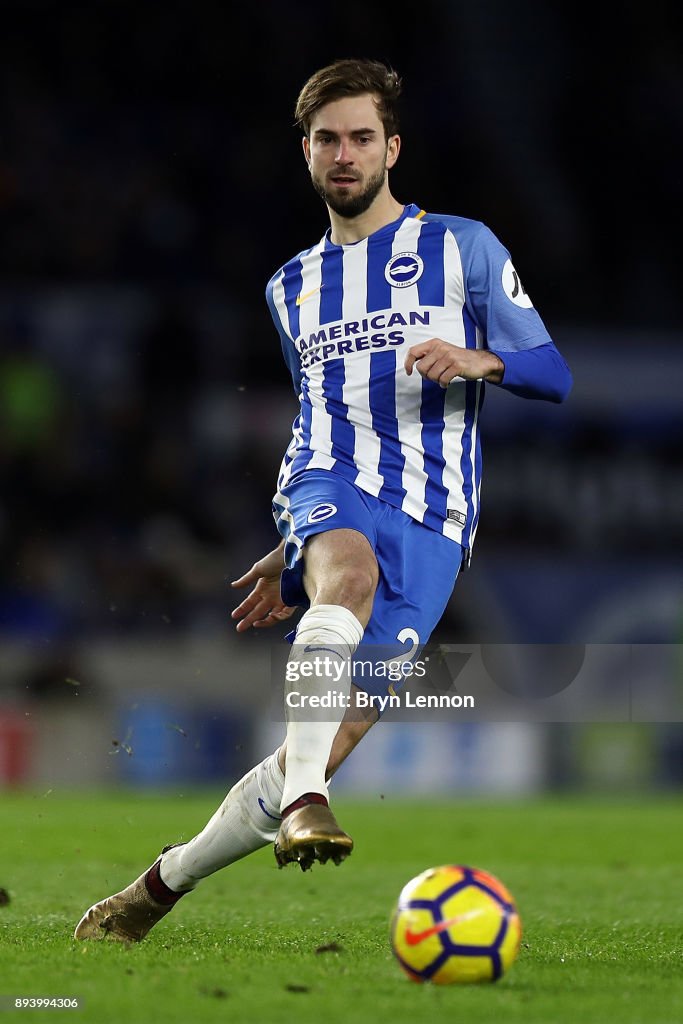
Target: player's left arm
{"x":538,"y":372}
{"x":440,"y":361}
{"x":511,"y":327}
{"x":519,"y":354}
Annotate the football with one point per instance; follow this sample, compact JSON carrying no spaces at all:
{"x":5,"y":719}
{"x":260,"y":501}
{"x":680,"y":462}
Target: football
{"x":455,"y":924}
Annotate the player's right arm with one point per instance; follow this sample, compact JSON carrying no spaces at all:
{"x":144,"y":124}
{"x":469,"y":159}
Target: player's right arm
{"x":291,"y":356}
{"x":263,"y":606}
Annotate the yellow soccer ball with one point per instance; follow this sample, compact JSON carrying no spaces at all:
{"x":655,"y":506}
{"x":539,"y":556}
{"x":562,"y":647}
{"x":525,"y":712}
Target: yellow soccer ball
{"x":455,"y":924}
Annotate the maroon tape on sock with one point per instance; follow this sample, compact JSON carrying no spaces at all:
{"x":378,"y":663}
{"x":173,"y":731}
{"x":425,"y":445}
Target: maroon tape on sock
{"x":158,"y":889}
{"x":307,"y":798}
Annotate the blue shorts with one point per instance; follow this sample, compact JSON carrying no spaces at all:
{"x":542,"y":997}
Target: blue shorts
{"x":418,"y":567}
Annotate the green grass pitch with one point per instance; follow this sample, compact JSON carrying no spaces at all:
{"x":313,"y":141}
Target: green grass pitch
{"x":598,"y":884}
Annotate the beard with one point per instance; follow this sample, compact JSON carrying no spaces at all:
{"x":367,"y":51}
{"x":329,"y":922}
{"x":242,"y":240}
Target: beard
{"x":346,"y":205}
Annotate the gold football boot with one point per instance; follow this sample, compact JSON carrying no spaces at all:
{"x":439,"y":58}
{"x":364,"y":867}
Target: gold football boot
{"x":129,"y":915}
{"x":311,"y":833}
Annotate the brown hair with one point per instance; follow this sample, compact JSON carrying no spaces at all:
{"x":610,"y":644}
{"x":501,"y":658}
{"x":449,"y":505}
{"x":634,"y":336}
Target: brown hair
{"x":351,"y":78}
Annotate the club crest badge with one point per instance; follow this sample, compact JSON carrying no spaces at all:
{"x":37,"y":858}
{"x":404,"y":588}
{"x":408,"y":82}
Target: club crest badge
{"x":404,"y":269}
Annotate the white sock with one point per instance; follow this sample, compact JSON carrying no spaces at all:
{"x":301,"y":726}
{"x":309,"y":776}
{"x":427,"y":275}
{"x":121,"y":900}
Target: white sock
{"x":248,"y":819}
{"x":328,"y":635}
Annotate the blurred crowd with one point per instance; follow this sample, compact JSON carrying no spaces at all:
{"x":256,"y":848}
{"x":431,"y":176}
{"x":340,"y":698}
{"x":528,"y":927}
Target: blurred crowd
{"x":137,"y":467}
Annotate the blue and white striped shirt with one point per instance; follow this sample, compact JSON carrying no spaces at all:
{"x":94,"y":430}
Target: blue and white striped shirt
{"x":347,"y":315}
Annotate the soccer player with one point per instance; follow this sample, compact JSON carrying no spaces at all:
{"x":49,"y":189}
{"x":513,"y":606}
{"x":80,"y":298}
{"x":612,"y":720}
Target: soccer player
{"x":390,"y":325}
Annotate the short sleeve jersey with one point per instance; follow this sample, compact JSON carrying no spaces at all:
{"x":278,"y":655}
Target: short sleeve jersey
{"x":347,"y":315}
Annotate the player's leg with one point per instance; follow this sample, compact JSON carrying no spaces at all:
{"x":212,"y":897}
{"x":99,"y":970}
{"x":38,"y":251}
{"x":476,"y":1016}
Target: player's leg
{"x":249,"y":817}
{"x":416,"y":571}
{"x":340,"y":576}
{"x":247,"y":820}
{"x":354,"y":727}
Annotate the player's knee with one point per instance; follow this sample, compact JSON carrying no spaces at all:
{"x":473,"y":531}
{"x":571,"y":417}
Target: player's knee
{"x":355,"y":585}
{"x":346,"y":580}
{"x":338,"y":572}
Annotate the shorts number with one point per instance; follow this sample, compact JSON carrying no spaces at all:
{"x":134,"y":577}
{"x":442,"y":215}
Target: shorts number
{"x":409,"y":635}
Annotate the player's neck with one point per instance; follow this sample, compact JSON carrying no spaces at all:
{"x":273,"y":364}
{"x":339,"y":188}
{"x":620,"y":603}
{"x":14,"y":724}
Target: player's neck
{"x":384,"y":210}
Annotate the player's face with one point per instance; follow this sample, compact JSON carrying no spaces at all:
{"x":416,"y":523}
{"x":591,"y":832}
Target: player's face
{"x":348,"y":155}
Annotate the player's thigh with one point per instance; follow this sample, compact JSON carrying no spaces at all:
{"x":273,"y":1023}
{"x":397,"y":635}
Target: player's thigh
{"x":330,"y":534}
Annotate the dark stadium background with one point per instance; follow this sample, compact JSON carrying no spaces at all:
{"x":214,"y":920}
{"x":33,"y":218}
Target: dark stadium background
{"x":151,"y":181}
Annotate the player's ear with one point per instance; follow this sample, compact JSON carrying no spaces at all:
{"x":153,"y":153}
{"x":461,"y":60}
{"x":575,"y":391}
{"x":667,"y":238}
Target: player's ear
{"x":393,"y":148}
{"x":306,"y":143}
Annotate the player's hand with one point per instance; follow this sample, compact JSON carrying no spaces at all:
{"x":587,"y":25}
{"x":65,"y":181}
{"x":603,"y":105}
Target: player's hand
{"x":439,"y":361}
{"x":263,"y":607}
